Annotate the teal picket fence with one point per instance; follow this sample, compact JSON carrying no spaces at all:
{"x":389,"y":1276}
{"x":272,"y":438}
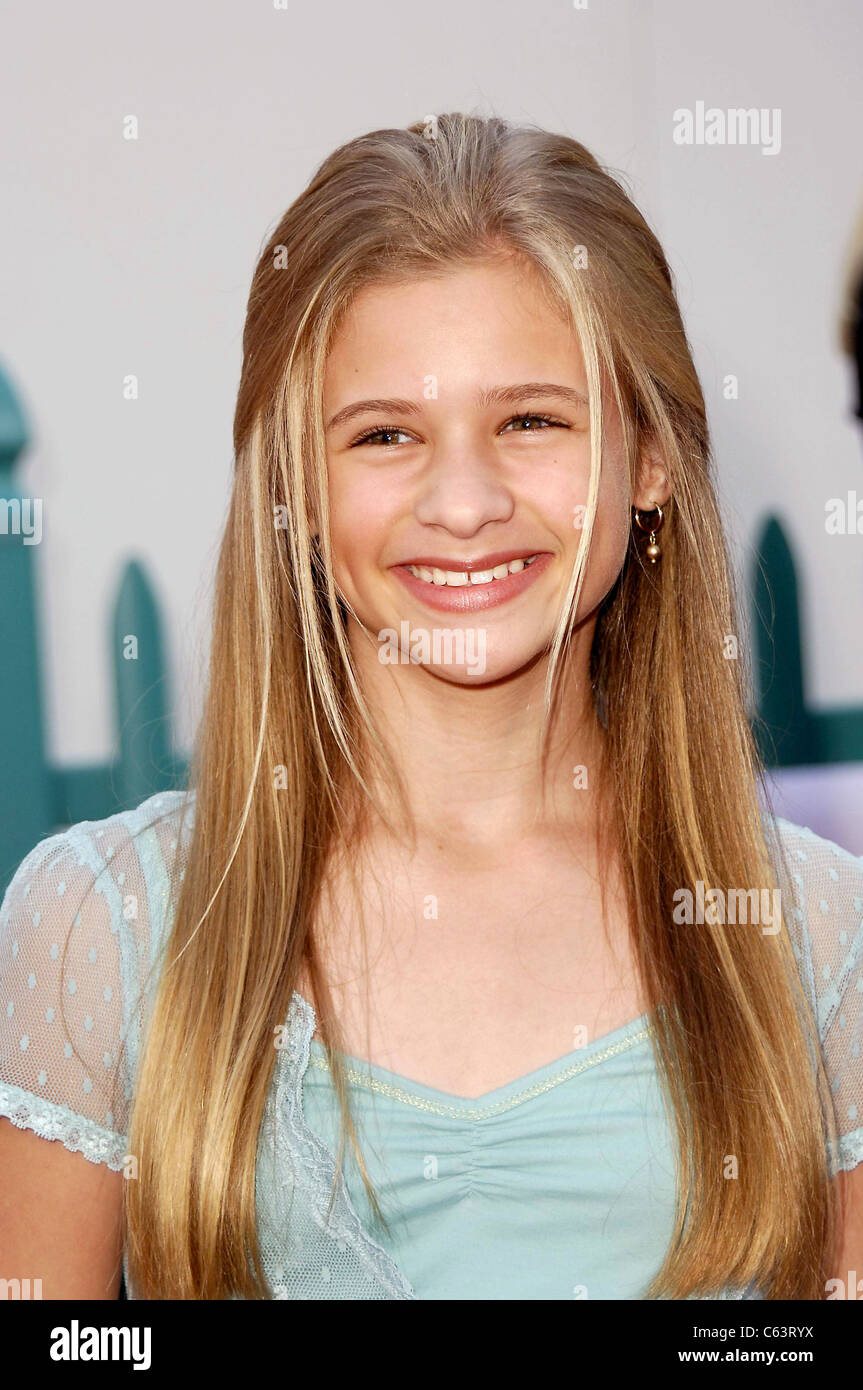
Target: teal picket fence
{"x":787,"y":731}
{"x":37,"y":797}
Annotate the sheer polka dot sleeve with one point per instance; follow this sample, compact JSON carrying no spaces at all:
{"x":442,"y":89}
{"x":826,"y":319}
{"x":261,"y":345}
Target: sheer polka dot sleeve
{"x":79,"y":930}
{"x":828,"y":911}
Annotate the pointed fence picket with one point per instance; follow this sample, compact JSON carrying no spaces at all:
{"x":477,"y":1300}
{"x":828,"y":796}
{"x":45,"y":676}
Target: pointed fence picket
{"x":37,"y":796}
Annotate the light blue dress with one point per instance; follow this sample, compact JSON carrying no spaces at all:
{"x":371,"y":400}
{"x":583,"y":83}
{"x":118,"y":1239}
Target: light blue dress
{"x":559,"y":1185}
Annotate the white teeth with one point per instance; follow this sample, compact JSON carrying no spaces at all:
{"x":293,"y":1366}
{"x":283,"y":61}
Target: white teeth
{"x":456,"y":579}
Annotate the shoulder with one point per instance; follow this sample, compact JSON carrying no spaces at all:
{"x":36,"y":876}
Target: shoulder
{"x":125,"y":859}
{"x":145,"y":837}
{"x":822,"y":885}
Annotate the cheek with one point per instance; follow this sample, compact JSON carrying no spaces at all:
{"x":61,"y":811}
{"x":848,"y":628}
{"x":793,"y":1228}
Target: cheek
{"x":362,"y":515}
{"x":608,"y":547}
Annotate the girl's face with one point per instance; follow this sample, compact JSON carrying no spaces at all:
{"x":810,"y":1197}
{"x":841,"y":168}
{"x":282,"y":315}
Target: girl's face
{"x":458,"y":450}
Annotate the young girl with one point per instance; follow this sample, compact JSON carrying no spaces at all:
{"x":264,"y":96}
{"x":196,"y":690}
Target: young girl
{"x":469,"y":966}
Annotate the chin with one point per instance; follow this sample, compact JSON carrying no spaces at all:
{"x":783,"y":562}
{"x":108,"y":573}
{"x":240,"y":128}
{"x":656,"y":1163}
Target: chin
{"x":485,"y":668}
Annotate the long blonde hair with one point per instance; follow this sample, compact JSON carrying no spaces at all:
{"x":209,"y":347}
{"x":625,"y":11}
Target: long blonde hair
{"x":731,"y":1028}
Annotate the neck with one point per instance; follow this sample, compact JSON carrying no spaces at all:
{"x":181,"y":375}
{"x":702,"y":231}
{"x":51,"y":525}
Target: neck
{"x":470,"y":758}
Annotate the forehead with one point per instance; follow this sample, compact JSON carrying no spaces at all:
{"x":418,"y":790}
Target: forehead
{"x":484,"y":316}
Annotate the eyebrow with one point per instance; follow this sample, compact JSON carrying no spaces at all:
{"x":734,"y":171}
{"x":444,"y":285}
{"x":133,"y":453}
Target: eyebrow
{"x":496,"y":395}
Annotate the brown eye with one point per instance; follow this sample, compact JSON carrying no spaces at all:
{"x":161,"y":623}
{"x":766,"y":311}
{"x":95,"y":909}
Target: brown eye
{"x":375,"y":434}
{"x":535,"y":423}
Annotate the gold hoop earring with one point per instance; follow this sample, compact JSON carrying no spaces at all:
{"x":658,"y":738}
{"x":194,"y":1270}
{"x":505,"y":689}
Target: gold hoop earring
{"x":652,"y":550}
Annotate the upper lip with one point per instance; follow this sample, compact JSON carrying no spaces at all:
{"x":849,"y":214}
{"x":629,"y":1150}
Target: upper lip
{"x":483,"y":562}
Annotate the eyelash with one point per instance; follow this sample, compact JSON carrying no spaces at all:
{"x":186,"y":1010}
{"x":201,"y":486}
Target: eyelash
{"x":397,"y":429}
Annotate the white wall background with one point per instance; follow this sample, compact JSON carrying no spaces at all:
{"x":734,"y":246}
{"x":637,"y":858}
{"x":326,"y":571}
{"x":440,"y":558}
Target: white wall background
{"x":135,"y":257}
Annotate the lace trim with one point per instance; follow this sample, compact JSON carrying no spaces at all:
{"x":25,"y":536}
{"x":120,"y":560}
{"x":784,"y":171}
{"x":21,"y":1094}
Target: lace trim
{"x":51,"y":1121}
{"x":482,"y":1112}
{"x":313,"y":1164}
{"x":850,"y":1152}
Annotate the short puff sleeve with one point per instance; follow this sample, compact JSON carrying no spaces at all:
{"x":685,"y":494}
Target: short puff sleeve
{"x":827,"y":931}
{"x":80,"y":928}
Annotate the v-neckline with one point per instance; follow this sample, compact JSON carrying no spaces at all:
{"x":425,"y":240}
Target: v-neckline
{"x":511,"y":1093}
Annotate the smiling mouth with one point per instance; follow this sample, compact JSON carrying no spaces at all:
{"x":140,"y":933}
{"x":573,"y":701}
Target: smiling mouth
{"x":458,"y":579}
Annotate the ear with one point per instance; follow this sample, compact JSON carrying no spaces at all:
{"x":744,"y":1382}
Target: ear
{"x":652,"y":489}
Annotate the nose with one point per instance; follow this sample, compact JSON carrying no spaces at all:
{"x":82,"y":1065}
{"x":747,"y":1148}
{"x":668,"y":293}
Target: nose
{"x":462,"y":491}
